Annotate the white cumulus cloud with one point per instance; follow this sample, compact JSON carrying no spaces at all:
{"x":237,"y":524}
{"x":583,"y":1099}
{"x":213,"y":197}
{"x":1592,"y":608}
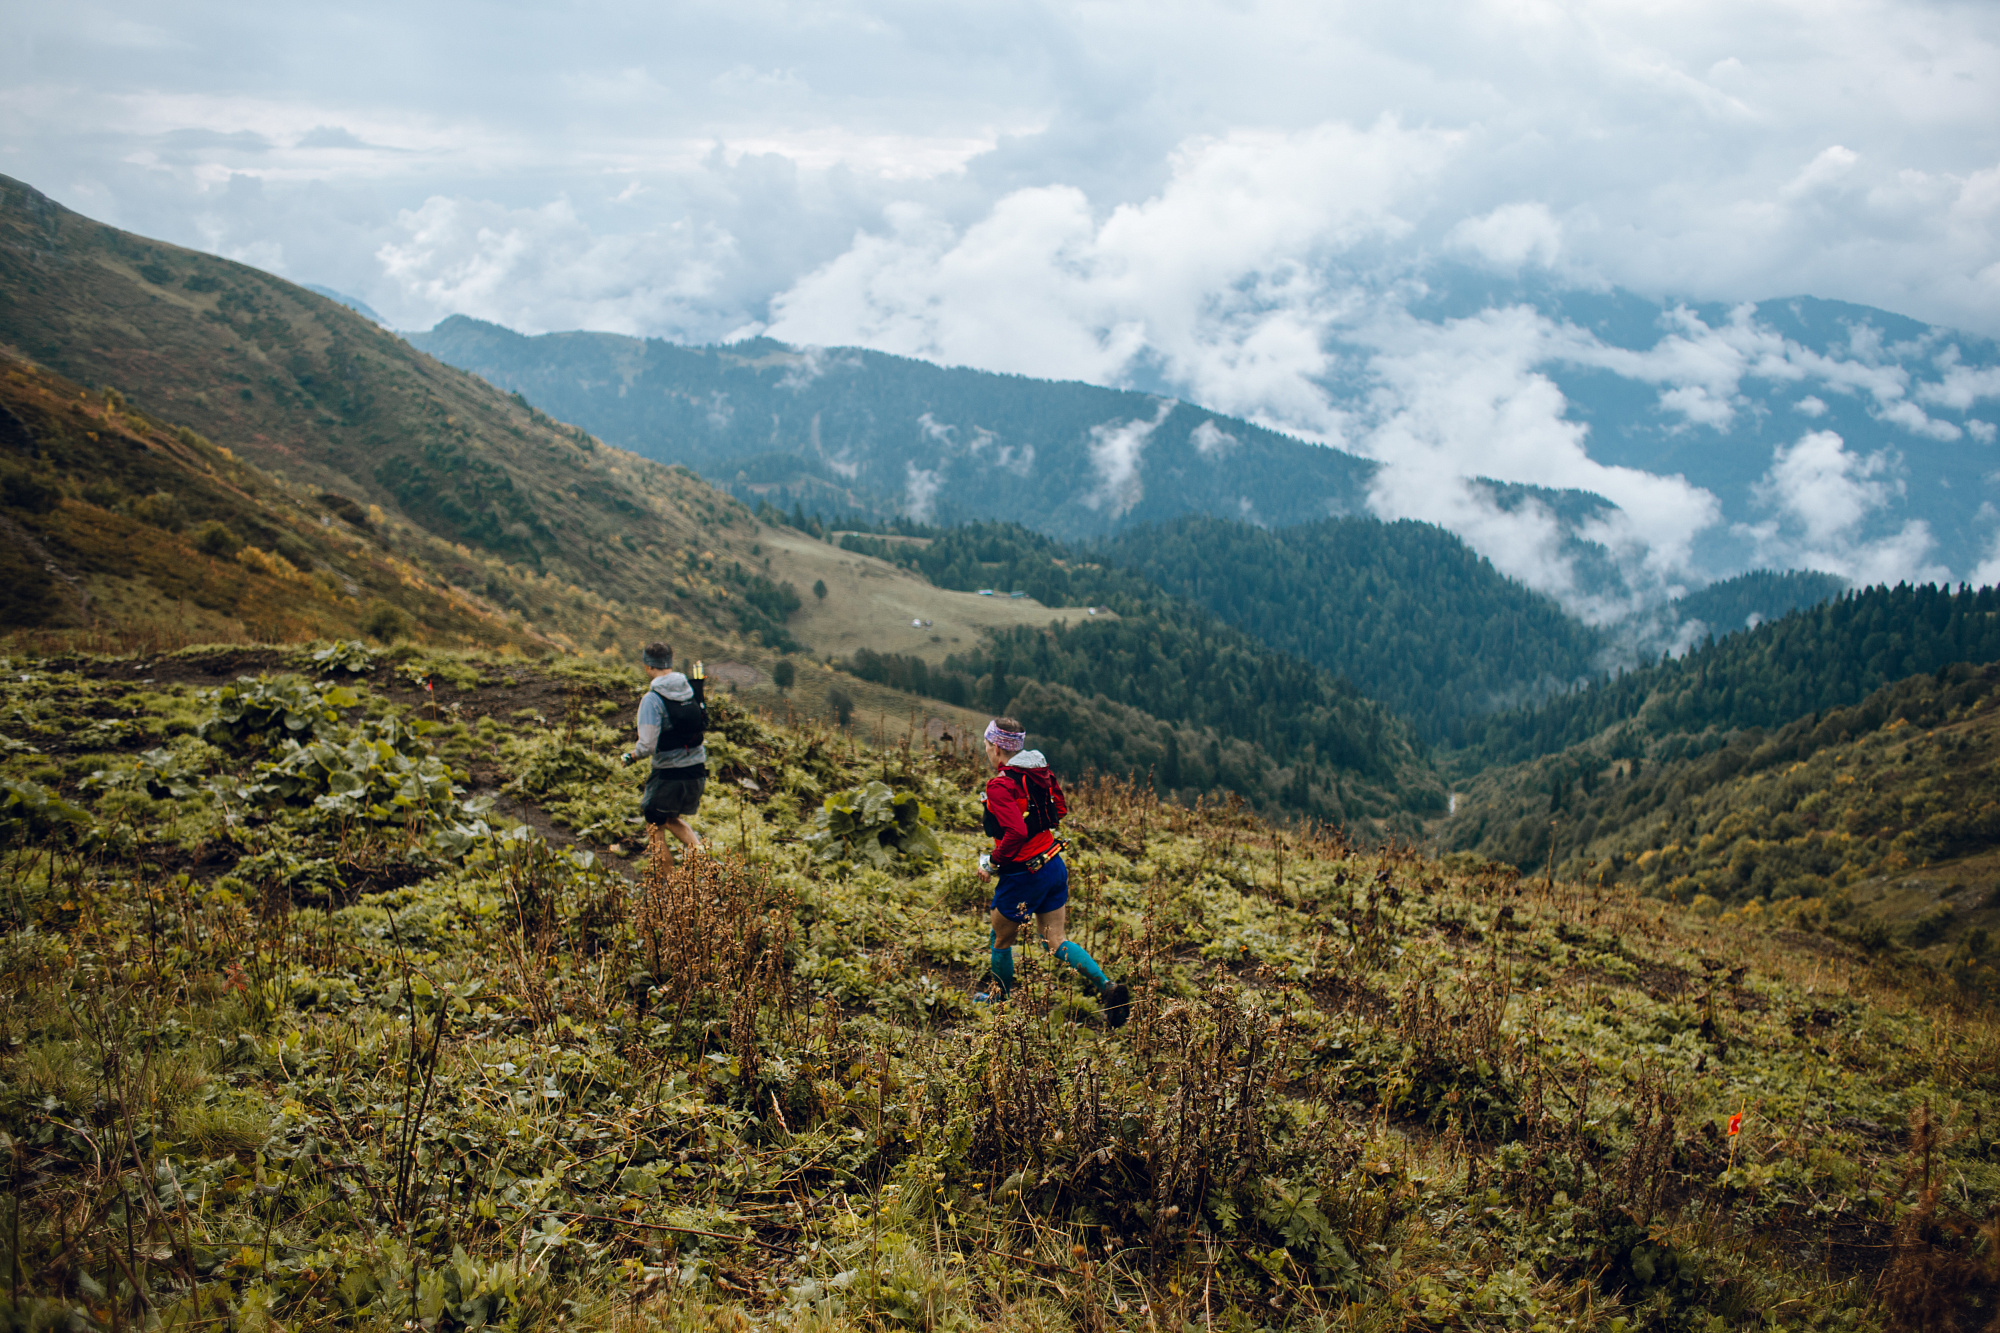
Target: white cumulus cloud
{"x":1821,"y":493}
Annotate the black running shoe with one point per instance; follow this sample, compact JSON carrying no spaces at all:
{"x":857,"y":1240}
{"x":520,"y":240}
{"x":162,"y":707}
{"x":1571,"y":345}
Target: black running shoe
{"x":1116,"y":1001}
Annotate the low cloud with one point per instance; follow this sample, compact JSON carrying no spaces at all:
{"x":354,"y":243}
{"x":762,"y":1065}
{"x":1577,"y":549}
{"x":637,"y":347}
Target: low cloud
{"x":1211,"y":441}
{"x":920,"y":488}
{"x":1824,"y":488}
{"x":1116,"y":448}
{"x":1464,"y":399}
{"x":541,"y":269}
{"x":1988,"y":572}
{"x":1962,"y":386}
{"x":1213,"y":277}
{"x":1510,"y":237}
{"x":1822,"y":495}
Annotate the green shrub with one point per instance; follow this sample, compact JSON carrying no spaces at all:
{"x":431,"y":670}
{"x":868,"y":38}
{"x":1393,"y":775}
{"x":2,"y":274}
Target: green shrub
{"x":349,"y":655}
{"x":254,"y":714}
{"x":386,"y":624}
{"x":216,"y":538}
{"x":24,"y":490}
{"x":29,"y":811}
{"x":875,"y":825}
{"x":161,"y":510}
{"x":1931,"y":927}
{"x":841,"y":704}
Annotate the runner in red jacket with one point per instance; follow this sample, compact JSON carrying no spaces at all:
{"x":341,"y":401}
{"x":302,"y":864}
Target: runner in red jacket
{"x":1024,"y":808}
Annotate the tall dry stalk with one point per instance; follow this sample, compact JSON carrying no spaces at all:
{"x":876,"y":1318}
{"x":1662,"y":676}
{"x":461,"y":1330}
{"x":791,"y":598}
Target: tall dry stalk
{"x":716,"y":937}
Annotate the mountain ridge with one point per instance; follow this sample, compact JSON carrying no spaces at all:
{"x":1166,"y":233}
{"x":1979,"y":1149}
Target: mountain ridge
{"x":1763,"y":406}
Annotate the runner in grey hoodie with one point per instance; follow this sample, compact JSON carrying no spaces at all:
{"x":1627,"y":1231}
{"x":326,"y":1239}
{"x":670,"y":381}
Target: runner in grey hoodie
{"x":672,"y":720}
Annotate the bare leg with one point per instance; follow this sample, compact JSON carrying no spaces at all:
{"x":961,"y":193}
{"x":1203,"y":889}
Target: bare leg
{"x":1004,"y":931}
{"x":684,"y":832}
{"x":679,"y":827}
{"x":1051,"y":924}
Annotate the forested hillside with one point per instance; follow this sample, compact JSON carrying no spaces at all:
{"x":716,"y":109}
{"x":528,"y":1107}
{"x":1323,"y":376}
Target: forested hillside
{"x":1825,"y":656}
{"x":1748,"y":600}
{"x":1906,"y":779}
{"x":1406,"y":611}
{"x":849,"y":431}
{"x":1314,"y":744}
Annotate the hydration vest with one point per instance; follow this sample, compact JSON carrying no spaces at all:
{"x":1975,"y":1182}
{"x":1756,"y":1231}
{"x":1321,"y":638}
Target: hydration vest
{"x":1042,"y":805}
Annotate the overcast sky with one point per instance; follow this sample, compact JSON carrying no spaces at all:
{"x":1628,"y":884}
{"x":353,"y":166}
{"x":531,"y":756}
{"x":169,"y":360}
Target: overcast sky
{"x":1178,"y":195}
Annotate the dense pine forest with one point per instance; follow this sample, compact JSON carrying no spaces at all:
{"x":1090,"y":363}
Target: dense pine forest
{"x":1824,"y":656}
{"x":1408,"y":612}
{"x":1748,"y":600}
{"x":1315,"y":744}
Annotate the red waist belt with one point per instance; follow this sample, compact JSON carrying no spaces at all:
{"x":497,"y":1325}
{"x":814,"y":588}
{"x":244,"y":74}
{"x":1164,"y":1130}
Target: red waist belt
{"x":1033,"y":863}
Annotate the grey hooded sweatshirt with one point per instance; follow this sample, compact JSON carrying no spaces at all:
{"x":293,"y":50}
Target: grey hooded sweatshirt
{"x":653,"y":716}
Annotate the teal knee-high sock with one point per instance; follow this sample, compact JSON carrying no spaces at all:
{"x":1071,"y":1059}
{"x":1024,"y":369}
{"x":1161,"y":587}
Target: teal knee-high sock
{"x":1079,"y":958}
{"x":1002,"y":963}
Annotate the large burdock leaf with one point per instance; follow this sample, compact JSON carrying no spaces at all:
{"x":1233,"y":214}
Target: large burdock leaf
{"x":875,"y":825}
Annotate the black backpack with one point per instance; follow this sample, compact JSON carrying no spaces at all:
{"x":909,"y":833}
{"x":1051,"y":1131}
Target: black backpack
{"x":685,"y":722}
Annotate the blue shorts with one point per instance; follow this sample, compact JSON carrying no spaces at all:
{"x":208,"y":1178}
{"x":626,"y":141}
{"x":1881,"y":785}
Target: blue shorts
{"x":1018,"y":897}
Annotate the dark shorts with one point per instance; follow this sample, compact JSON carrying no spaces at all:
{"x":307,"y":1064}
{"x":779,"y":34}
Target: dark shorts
{"x":1018,"y":897}
{"x":670,"y":797}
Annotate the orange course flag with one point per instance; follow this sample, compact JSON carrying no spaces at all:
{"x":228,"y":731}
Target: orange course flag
{"x":1735,"y":1124}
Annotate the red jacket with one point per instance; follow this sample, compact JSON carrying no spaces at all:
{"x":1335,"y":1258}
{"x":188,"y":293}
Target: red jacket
{"x":1007,"y":812}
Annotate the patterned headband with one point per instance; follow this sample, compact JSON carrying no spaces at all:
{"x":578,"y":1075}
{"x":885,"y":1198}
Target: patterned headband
{"x":1006,"y":740}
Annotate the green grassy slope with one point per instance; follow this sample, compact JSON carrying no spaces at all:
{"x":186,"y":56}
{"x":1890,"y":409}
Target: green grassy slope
{"x":1891,"y":805}
{"x":304,"y":387}
{"x":121,"y":526}
{"x":359,"y":1064}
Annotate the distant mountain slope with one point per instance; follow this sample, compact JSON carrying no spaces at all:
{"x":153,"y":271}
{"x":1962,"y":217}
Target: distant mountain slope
{"x":354,"y":303}
{"x":1718,"y":393}
{"x":1408,"y":612}
{"x":1405,"y":611}
{"x":1827,"y":656}
{"x":300,"y":385}
{"x":1223,"y":710}
{"x":1748,"y":600}
{"x":1905,"y":780}
{"x":859,"y":431}
{"x":1826,"y":435}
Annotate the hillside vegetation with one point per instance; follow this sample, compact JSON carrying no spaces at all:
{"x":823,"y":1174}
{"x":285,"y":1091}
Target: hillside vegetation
{"x":298,"y":1034}
{"x":1824,"y":656}
{"x":118,"y":523}
{"x":1748,"y":600}
{"x":309,"y":390}
{"x":1820,"y":813}
{"x":1161,"y":690}
{"x":1406,"y":611}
